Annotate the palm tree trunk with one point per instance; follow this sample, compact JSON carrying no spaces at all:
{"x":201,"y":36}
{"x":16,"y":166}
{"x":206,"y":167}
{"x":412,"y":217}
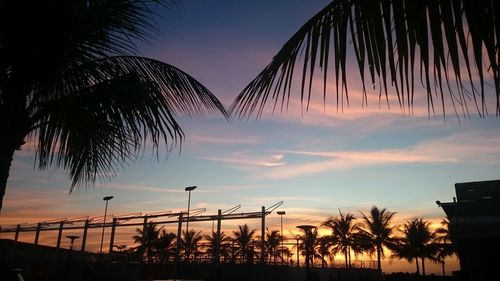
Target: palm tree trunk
{"x":346,"y":262}
{"x":442,"y":267}
{"x":423,"y":267}
{"x":379,"y":263}
{"x":418,"y":268}
{"x":6,"y":157}
{"x":349,"y":252}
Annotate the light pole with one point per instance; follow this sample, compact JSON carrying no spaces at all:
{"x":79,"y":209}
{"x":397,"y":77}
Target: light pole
{"x":297,"y":237}
{"x":281,"y":213}
{"x":106,"y":198}
{"x":72,"y":237}
{"x":189,"y":189}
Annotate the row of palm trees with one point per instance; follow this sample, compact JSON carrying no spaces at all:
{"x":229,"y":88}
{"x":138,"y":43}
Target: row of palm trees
{"x":373,"y":234}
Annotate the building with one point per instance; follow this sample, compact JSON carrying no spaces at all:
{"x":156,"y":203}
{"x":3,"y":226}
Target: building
{"x":475,"y":228}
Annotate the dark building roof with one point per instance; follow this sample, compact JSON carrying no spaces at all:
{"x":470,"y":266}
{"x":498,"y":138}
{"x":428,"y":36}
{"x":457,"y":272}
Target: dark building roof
{"x":476,"y":211}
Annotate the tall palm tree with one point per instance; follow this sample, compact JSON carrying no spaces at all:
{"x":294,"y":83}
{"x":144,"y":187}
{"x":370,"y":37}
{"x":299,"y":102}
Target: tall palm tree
{"x":445,"y":244}
{"x":212,"y":241}
{"x":390,"y":42}
{"x":165,"y":245}
{"x":191,"y":243}
{"x":244,"y":241}
{"x":147,"y":239}
{"x":378,"y":231}
{"x":418,"y":241}
{"x":322,"y":249}
{"x":309,"y":238}
{"x":273,"y":239}
{"x":344,"y":232}
{"x":71,"y":85}
{"x":405,"y":247}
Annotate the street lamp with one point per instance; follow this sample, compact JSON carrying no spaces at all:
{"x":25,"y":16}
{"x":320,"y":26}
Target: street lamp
{"x":189,"y":189}
{"x":106,"y":198}
{"x":297,"y":237}
{"x":72,"y":237}
{"x":281,"y":213}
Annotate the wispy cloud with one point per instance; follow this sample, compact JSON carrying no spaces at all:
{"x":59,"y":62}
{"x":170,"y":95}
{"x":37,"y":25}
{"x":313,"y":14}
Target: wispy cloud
{"x":462,"y":147}
{"x":243,"y":160}
{"x":457,"y":148}
{"x":208,"y":139}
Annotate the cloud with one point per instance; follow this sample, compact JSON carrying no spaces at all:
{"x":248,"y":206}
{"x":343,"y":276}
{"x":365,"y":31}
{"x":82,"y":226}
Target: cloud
{"x":207,"y":139}
{"x":242,"y":160}
{"x":462,"y":147}
{"x":480,"y":147}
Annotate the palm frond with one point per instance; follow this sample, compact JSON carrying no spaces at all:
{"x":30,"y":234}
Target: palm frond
{"x":101,"y":114}
{"x":392,"y":41}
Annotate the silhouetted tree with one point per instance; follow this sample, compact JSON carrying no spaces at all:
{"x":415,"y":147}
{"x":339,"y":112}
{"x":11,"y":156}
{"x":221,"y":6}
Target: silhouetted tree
{"x":244,"y":242}
{"x":272,"y":242}
{"x":390,"y":42}
{"x":147,"y":240}
{"x":224,"y":243}
{"x":191,"y":241}
{"x":344,"y":232}
{"x":445,"y":243}
{"x":71,"y":85}
{"x":322,"y":249}
{"x":307,"y":245}
{"x":379,"y":232}
{"x":165,"y":245}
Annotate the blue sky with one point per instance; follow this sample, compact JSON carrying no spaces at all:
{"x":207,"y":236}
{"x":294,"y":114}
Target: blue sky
{"x":317,"y":162}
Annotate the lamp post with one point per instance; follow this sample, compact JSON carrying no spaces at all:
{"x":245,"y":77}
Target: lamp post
{"x":298,"y":237}
{"x":106,"y":198}
{"x":189,"y":189}
{"x":281,"y":213}
{"x":72,"y":237}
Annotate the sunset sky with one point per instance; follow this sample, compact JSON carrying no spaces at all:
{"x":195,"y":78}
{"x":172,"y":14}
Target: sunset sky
{"x":317,"y":162}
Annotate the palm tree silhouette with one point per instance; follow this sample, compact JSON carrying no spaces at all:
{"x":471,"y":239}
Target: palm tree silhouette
{"x":344,"y":235}
{"x":378,"y":231}
{"x":322,"y":249}
{"x":273,"y":239}
{"x":71,"y":86}
{"x":390,"y":40}
{"x":191,"y":243}
{"x":165,"y":245}
{"x":445,"y":243}
{"x":418,"y":241}
{"x":308,"y":244}
{"x":244,"y":242}
{"x":212,"y":241}
{"x":147,"y":239}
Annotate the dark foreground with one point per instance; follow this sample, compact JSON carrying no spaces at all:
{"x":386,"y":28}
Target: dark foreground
{"x":44,"y":263}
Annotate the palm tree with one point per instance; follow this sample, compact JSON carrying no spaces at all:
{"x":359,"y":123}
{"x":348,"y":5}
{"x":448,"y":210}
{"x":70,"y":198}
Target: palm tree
{"x":390,"y":40}
{"x":165,"y":245}
{"x":244,"y":241}
{"x":418,"y":241}
{"x":344,"y":232}
{"x":445,"y":243}
{"x":273,"y":239}
{"x":212,"y":241}
{"x":191,"y":243}
{"x":307,"y":247}
{"x":72,"y":86}
{"x":322,"y":249}
{"x":147,"y":239}
{"x":378,"y":231}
